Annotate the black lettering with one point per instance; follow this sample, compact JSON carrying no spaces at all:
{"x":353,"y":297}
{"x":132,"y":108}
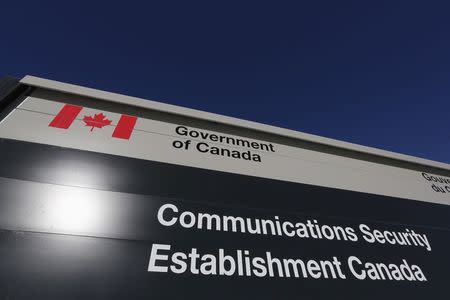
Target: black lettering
{"x":181,"y":130}
{"x":255,"y":145}
{"x":202,"y":147}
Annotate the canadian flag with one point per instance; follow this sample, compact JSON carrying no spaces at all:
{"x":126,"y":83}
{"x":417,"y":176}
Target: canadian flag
{"x":69,"y":113}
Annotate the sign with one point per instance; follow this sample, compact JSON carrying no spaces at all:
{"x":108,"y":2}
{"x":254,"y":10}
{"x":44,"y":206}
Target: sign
{"x":101,"y":204}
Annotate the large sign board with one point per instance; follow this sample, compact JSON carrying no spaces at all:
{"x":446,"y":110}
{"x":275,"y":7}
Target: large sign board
{"x":109,"y":205}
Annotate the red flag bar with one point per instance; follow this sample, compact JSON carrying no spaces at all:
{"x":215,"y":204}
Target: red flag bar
{"x":66,"y":116}
{"x":125,"y":127}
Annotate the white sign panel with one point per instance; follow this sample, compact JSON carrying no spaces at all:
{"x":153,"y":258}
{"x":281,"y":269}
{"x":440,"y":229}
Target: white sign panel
{"x":54,"y":123}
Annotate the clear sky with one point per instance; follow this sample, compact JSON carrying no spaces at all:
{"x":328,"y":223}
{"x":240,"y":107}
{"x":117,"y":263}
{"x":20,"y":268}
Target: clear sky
{"x":375,"y":73}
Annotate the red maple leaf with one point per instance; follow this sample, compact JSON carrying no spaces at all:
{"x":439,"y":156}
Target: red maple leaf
{"x":99,"y":120}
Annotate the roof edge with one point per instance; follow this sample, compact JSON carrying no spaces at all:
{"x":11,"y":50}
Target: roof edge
{"x":193,"y":113}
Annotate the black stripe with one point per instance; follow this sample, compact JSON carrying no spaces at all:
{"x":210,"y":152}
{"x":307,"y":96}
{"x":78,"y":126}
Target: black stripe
{"x":62,"y":166}
{"x":11,"y":94}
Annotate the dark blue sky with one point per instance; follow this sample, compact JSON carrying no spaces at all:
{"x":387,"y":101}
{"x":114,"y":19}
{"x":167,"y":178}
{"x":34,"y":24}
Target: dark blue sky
{"x":369,"y":72}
